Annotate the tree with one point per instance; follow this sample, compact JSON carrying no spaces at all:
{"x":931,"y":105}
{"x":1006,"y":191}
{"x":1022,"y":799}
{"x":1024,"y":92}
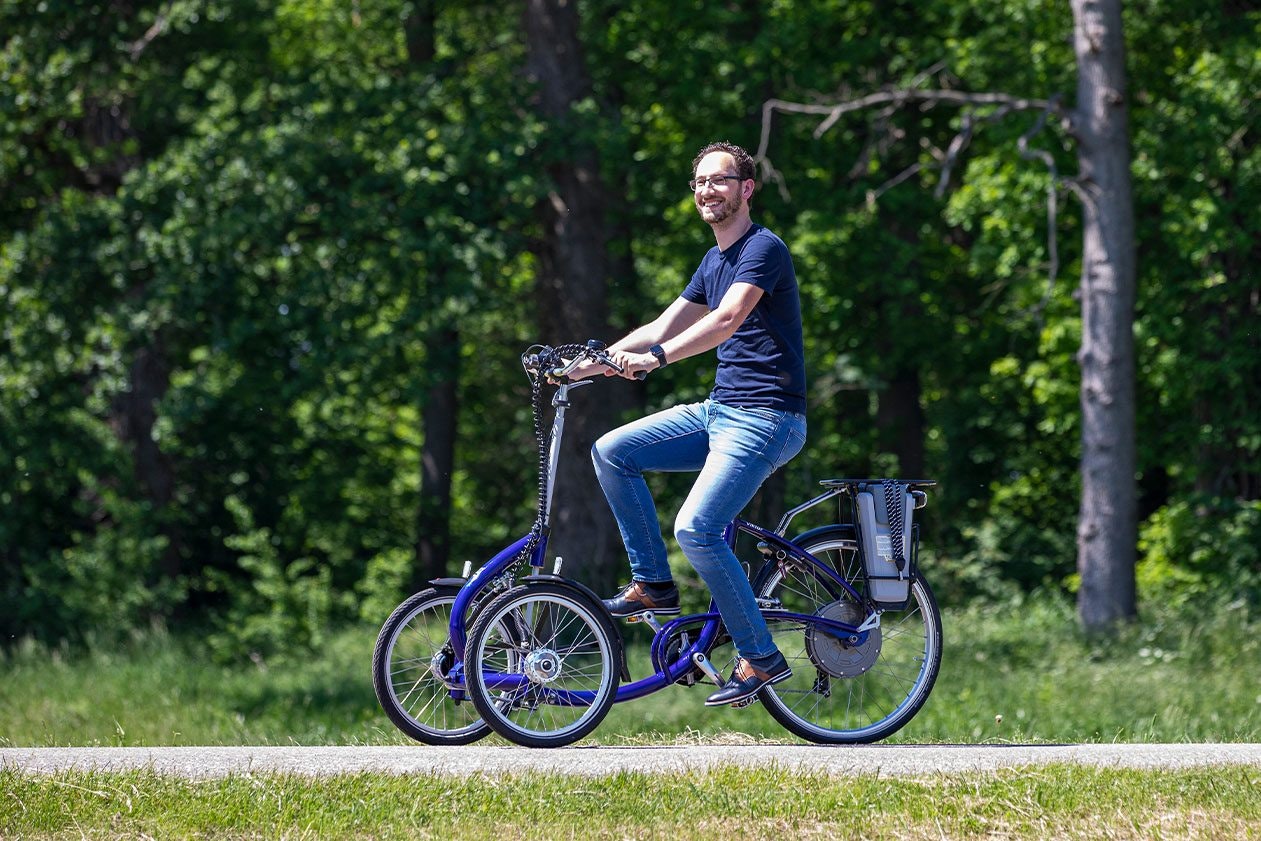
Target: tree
{"x":573,"y":271}
{"x":1107,"y":525}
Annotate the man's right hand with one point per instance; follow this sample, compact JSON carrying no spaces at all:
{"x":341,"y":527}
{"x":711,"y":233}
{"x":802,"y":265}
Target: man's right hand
{"x":633,"y":363}
{"x":591,"y":369}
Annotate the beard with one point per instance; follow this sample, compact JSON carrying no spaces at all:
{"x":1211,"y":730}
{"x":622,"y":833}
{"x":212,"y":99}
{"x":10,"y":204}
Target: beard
{"x":721,"y":214}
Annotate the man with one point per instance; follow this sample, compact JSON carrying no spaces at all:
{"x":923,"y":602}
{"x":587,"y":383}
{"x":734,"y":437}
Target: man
{"x":742,"y":300}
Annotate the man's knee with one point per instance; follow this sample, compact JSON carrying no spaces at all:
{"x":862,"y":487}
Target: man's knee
{"x":603,"y":449}
{"x":695,"y":537}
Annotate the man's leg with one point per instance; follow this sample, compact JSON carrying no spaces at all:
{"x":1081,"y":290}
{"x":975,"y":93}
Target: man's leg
{"x":671,"y":440}
{"x":746,"y":446}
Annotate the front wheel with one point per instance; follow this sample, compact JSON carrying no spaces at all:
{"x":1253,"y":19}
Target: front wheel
{"x":409,"y":663}
{"x":541,"y":665}
{"x":840,"y":693}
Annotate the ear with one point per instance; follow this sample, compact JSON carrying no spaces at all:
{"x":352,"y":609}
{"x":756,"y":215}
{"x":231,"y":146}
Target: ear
{"x":748,"y":187}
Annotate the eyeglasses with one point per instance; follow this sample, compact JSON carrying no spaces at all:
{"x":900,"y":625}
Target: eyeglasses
{"x":711,"y":181}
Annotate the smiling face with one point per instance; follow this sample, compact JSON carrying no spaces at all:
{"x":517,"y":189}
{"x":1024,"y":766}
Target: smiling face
{"x":720,"y":200}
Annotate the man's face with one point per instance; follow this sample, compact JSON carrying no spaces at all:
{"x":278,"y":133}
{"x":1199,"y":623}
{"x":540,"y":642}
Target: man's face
{"x":720,"y":199}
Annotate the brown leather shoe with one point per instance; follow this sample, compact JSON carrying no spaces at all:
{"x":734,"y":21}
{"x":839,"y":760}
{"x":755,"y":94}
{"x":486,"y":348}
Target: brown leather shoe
{"x":746,"y":681}
{"x":640,"y":597}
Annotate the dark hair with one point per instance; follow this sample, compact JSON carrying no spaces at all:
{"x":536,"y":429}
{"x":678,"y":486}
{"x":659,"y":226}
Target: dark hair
{"x":744,"y":161}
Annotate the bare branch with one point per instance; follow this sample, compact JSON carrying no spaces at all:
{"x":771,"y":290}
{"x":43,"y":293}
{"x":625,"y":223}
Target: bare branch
{"x":902,"y":96}
{"x":159,"y":26}
{"x":873,"y":195}
{"x":894,"y":99}
{"x":960,"y":142}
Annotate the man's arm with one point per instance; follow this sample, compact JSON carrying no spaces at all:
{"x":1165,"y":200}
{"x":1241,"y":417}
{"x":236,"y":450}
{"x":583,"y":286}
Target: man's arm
{"x":688,"y":336}
{"x":674,"y":320}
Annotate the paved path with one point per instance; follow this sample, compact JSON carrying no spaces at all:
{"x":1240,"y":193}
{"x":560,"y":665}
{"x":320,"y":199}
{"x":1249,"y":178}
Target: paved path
{"x":900,"y":760}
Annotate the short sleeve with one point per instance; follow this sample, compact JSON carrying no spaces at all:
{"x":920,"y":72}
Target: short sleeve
{"x":761,"y":265}
{"x":695,"y":291}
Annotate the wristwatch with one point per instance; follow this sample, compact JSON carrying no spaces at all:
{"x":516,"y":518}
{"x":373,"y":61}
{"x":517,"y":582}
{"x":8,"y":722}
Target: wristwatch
{"x":656,"y":351}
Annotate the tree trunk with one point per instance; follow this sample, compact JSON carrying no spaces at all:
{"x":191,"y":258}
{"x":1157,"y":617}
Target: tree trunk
{"x":437,"y":456}
{"x":134,"y":413}
{"x":440,"y":410}
{"x":573,"y":271}
{"x":1107,"y":527}
{"x":900,"y":420}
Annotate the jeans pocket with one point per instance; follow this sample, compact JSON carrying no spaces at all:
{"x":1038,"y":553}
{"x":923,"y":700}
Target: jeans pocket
{"x":794,"y":431}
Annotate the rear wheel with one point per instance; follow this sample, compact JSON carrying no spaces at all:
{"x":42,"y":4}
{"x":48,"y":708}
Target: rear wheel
{"x":542,"y":665}
{"x":841,"y":693}
{"x":412,"y":655}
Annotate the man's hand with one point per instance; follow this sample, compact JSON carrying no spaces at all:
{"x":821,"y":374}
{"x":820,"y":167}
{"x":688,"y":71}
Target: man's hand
{"x":591,"y":369}
{"x":632,"y":363}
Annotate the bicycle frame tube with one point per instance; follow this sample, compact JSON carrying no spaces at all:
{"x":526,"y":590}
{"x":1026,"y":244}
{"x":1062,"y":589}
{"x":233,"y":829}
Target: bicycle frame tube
{"x":484,"y":576}
{"x":560,"y":401}
{"x":682,"y":663}
{"x":496,"y":566}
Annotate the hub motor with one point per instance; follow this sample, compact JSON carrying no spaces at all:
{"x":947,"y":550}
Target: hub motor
{"x":835,"y":656}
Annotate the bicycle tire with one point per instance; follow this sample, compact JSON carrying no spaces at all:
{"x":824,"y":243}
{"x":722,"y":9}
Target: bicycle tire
{"x":841,"y":694}
{"x":555,"y":640}
{"x":412,"y":651}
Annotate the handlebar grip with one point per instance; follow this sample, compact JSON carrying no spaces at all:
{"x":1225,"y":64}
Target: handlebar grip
{"x":639,"y":375}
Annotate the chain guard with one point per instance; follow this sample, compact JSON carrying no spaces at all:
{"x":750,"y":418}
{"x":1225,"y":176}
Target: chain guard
{"x":834,"y":657}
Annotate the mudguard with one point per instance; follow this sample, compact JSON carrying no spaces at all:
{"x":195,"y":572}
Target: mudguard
{"x":578,"y":587}
{"x":457,"y":583}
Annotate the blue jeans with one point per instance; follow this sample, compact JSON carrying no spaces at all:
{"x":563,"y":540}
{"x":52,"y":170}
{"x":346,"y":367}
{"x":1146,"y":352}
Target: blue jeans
{"x":734,"y":450}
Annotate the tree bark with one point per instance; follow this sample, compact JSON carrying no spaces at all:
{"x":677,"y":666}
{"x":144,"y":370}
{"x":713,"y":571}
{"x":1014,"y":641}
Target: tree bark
{"x":572,"y":277}
{"x":437,"y":456}
{"x":900,"y":419}
{"x":1107,"y":526}
{"x":440,"y":410}
{"x":134,"y":414}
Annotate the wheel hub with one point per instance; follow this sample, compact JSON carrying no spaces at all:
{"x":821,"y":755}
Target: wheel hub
{"x":441,"y":662}
{"x":836,"y":657}
{"x":542,"y":665}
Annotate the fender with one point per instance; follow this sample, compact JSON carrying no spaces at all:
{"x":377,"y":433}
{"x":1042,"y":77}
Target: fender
{"x":846,"y":529}
{"x":584,"y":590}
{"x":457,"y":583}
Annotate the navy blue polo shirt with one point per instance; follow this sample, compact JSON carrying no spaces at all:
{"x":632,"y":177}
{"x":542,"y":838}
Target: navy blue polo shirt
{"x":763,"y":363}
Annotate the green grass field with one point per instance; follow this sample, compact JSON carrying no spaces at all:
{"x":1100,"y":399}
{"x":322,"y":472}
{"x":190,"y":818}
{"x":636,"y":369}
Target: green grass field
{"x":1160,"y":681}
{"x":1051,"y":802}
{"x":1163,"y":680}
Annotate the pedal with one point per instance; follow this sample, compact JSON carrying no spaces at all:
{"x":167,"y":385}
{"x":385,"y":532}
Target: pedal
{"x":647,"y":617}
{"x":752,"y":699}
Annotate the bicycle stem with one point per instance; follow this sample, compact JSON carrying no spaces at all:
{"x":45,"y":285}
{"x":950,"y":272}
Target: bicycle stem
{"x":560,"y":402}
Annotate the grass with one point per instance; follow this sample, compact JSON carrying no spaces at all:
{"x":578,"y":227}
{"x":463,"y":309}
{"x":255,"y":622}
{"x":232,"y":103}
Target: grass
{"x":1019,"y":672}
{"x":1164,"y":680}
{"x":1051,"y":802}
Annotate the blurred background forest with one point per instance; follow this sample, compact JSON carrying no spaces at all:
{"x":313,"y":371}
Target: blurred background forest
{"x":266,"y":270}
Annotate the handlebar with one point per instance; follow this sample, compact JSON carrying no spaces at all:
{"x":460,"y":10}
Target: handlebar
{"x":552,"y":362}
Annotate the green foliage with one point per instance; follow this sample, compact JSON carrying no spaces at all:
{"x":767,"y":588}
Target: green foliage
{"x":1065,"y":800}
{"x":233,"y":234}
{"x":1173,"y":676}
{"x":1201,"y":551}
{"x":277,"y":605}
